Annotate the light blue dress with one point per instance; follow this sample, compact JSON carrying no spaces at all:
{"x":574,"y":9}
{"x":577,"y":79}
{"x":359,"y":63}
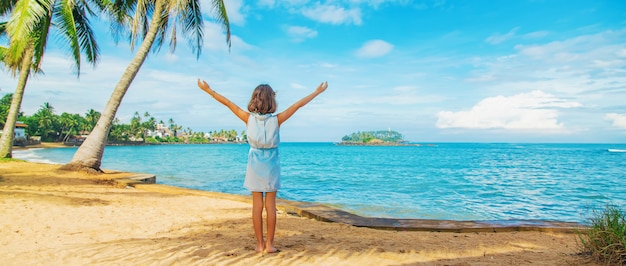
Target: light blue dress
{"x":263,"y":170}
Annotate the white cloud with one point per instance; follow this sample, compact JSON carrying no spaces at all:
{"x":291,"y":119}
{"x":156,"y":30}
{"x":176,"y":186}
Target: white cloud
{"x":535,"y":35}
{"x":299,"y":33}
{"x":169,"y":57}
{"x":298,"y":86}
{"x":267,"y":3}
{"x":481,"y":78}
{"x":619,"y":120}
{"x":383,"y":97}
{"x":333,"y":14}
{"x":497,"y":38}
{"x":374,"y":48}
{"x":533,"y":51}
{"x":63,"y":90}
{"x":607,"y":63}
{"x":406,"y":95}
{"x":585,"y":68}
{"x":580,"y":48}
{"x":215,"y":39}
{"x":535,"y":110}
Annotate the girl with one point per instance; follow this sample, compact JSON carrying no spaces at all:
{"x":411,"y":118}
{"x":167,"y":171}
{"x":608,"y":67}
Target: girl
{"x":263,"y":170}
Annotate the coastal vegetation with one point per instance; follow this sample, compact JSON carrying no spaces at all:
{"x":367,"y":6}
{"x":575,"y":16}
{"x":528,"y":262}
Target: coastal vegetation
{"x":373,"y":137}
{"x":145,"y":24}
{"x":27,"y":30}
{"x":149,"y":24}
{"x":72,"y":129}
{"x":605,"y":239}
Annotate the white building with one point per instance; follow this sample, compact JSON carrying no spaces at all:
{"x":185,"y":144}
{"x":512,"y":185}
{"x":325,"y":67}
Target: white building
{"x":20,"y":130}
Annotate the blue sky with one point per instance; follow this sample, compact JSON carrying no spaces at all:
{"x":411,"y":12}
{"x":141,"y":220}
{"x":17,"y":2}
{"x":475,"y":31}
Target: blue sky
{"x":436,"y":71}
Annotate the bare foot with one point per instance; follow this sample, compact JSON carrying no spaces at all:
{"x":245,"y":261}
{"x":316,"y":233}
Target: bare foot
{"x":272,"y":249}
{"x":260,"y":248}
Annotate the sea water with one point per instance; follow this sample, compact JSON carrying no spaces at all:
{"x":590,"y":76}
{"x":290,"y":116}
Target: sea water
{"x":456,"y":181}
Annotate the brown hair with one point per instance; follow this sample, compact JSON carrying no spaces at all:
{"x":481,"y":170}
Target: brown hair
{"x":263,"y":100}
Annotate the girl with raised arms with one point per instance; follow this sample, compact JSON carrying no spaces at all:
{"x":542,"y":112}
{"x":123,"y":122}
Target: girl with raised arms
{"x":263,"y":169}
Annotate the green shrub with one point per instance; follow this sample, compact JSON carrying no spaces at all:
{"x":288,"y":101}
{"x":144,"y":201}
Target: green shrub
{"x":605,"y":238}
{"x":2,"y":160}
{"x":152,"y":140}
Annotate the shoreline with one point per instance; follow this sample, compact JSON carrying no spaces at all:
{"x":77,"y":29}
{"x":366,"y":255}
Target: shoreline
{"x":69,"y":218}
{"x":42,"y":145}
{"x":45,"y":145}
{"x":385,"y":144}
{"x":325,"y":213}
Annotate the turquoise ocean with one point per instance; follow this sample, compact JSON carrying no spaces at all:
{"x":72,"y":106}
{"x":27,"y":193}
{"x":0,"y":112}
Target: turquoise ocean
{"x":453,"y":181}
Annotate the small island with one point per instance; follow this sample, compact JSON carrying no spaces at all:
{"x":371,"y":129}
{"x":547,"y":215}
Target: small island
{"x":375,"y":138}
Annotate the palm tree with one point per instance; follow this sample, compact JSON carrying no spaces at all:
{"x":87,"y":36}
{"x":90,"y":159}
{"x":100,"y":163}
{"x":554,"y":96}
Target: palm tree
{"x":91,"y":118}
{"x":135,"y":125}
{"x":148,"y":125}
{"x":171,"y":122}
{"x":69,"y":125}
{"x":135,"y":14}
{"x":47,"y":120}
{"x":28,"y":29}
{"x":5,"y":104}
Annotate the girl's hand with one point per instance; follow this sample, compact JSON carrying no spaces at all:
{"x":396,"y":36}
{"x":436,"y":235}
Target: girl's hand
{"x":322,"y":87}
{"x":205,"y":87}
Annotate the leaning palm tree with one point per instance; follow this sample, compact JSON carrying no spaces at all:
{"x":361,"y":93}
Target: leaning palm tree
{"x":151,"y":22}
{"x":27,"y":30}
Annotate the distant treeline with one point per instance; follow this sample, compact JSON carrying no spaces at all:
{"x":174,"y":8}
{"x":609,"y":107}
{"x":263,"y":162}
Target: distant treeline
{"x":373,"y":136}
{"x":48,"y":126}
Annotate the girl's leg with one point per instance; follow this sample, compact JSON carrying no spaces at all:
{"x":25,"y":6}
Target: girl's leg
{"x":257,"y":219}
{"x":270,"y":209}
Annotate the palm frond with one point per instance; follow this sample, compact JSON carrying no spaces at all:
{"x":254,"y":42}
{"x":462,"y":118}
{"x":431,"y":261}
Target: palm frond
{"x":64,"y":20}
{"x":3,"y":29}
{"x":86,"y":36}
{"x":86,"y":8}
{"x":140,"y":21}
{"x":23,"y":21}
{"x":3,"y":51}
{"x":192,"y":25}
{"x":222,"y":18}
{"x":162,"y":32}
{"x":24,"y":30}
{"x":6,"y":6}
{"x":40,"y":38}
{"x":173,"y":37}
{"x":119,"y":12}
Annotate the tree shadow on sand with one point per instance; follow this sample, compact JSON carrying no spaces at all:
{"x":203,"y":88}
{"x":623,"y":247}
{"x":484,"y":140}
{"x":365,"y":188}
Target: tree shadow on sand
{"x":300,"y":241}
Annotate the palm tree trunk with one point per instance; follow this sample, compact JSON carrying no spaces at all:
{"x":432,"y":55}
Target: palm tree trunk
{"x":6,"y":141}
{"x":88,"y":157}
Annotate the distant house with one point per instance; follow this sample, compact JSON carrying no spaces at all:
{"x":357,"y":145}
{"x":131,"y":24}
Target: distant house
{"x":160,"y":131}
{"x":20,"y":131}
{"x":77,"y":139}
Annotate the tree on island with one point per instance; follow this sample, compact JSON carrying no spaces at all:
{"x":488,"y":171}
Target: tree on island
{"x":148,"y":22}
{"x":385,"y":136}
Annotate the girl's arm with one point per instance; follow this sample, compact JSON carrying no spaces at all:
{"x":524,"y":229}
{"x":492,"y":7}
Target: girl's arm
{"x":284,"y":115}
{"x":243,"y":115}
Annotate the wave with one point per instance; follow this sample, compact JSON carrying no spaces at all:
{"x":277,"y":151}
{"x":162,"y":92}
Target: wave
{"x":616,"y":150}
{"x":30,"y":155}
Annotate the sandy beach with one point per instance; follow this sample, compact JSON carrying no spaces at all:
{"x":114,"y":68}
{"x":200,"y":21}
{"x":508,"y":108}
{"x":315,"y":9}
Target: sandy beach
{"x":52,"y":217}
